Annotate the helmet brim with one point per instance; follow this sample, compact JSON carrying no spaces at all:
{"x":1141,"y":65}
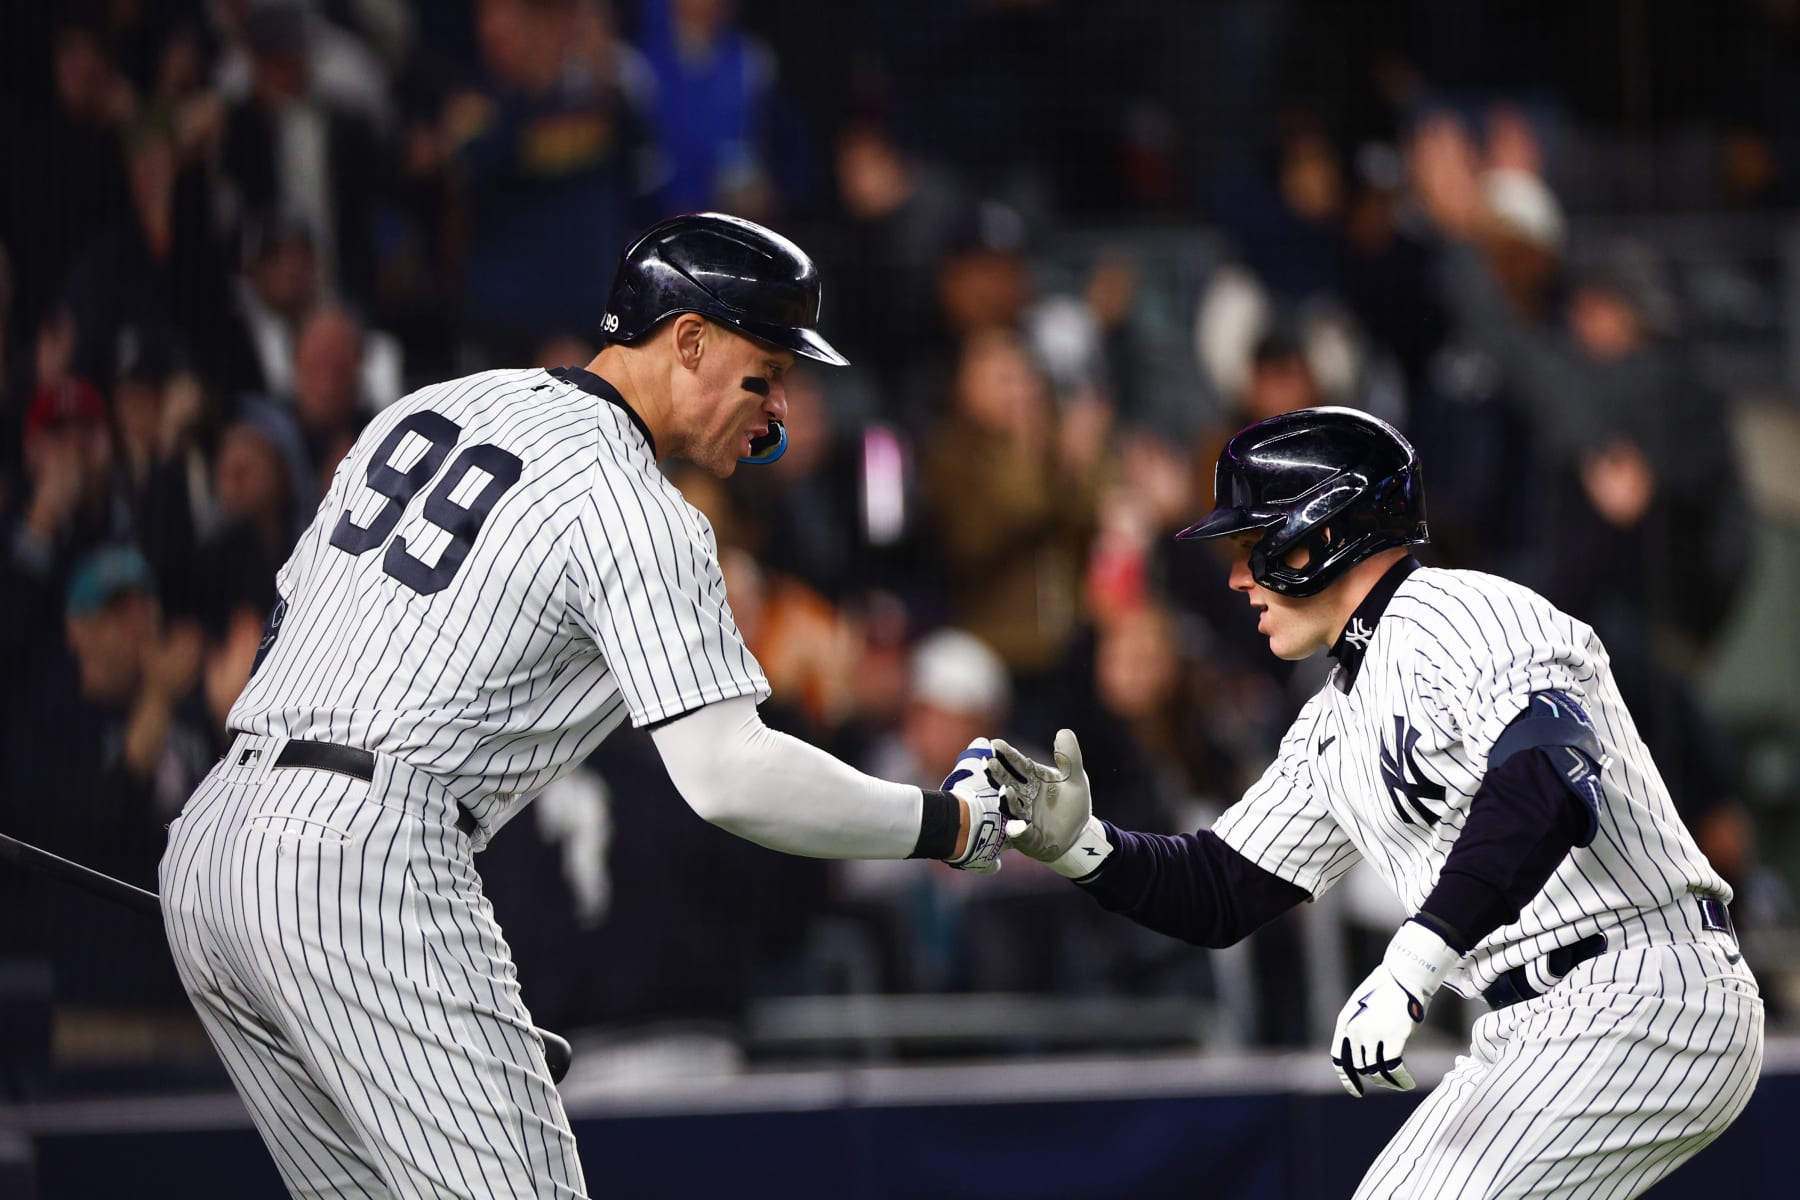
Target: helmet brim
{"x":1225,"y":521}
{"x":800,"y":339}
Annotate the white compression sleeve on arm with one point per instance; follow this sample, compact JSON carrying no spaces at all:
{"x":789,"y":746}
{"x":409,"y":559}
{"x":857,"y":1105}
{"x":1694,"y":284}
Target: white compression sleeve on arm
{"x":779,"y":792}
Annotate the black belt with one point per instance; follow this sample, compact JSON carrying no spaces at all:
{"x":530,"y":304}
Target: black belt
{"x":348,"y":760}
{"x":323,"y":756}
{"x":1514,"y":986}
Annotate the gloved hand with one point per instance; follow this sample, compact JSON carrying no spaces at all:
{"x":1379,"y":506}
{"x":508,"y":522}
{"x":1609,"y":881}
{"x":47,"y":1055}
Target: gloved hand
{"x":1369,"y":1044}
{"x":968,"y":781}
{"x":1051,"y":807}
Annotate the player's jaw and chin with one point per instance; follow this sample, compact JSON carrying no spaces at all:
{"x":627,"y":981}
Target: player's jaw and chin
{"x":727,"y":415}
{"x":1297,"y":627}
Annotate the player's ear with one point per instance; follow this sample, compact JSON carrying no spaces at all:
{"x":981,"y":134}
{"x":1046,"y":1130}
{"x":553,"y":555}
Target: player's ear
{"x":690,"y":334}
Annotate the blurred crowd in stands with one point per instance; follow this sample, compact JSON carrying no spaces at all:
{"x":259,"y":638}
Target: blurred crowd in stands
{"x":232,"y":230}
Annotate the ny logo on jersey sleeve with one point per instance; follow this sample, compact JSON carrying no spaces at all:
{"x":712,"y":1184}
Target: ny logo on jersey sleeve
{"x":1405,"y":782}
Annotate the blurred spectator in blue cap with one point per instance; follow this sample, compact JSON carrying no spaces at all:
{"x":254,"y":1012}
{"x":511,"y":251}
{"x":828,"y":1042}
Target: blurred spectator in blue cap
{"x":105,"y":574}
{"x":114,"y":628}
{"x":95,"y":762}
{"x":137,"y":669}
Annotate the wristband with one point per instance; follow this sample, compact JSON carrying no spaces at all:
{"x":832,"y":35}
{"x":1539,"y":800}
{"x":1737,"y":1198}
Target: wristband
{"x":1418,"y":959}
{"x":940,"y":820}
{"x":1084,"y":859}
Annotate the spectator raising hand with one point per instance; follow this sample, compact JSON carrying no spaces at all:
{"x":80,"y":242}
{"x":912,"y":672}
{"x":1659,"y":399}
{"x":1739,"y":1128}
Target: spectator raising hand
{"x":1446,"y":176}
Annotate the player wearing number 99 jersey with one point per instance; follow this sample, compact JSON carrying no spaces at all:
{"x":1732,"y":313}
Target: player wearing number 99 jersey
{"x":498,"y":577}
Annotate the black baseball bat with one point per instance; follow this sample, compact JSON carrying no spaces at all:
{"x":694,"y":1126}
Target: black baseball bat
{"x":86,"y":878}
{"x":557,"y":1052}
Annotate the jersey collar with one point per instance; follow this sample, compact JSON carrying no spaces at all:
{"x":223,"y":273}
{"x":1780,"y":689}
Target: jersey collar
{"x":589,"y":382}
{"x":1353,"y":643}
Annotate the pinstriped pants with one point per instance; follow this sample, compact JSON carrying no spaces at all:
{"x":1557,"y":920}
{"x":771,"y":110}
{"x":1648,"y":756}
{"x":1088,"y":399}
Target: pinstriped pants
{"x":1598,"y":1088}
{"x":334,"y":938}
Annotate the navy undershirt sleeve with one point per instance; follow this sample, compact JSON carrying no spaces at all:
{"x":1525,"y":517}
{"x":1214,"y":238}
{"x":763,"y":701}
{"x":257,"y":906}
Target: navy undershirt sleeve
{"x":1522,"y":823}
{"x":1189,"y":885}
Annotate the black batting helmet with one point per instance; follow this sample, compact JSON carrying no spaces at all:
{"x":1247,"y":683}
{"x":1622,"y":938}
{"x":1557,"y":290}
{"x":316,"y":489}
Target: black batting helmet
{"x":1337,"y":481}
{"x":726,"y":269}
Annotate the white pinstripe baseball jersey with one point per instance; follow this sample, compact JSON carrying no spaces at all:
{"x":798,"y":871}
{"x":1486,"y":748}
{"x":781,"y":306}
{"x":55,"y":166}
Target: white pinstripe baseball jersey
{"x":1384,"y":770}
{"x":498,"y":575}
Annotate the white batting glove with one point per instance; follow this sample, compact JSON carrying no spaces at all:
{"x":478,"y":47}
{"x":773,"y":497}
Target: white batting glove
{"x":1050,"y":806}
{"x":1369,"y":1044}
{"x":968,"y":781}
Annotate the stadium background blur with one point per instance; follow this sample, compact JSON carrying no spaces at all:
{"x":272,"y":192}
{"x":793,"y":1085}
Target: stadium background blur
{"x":1069,"y":248}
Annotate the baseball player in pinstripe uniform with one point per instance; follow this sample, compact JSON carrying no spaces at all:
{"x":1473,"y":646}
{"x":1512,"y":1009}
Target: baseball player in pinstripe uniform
{"x":497,"y":578}
{"x":1472,"y":748}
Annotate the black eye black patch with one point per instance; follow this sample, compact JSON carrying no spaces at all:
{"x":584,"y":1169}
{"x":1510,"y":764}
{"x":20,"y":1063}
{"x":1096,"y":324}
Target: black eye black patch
{"x":757,"y":384}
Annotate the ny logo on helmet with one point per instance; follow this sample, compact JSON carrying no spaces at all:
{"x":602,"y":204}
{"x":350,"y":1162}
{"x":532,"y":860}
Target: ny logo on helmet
{"x":1400,"y":771}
